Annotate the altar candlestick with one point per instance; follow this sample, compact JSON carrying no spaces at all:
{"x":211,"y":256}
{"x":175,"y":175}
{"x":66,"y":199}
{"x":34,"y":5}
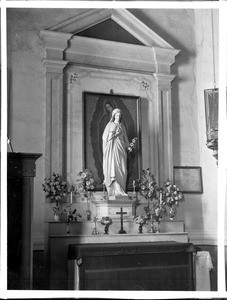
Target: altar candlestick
{"x":71,"y":197}
{"x":134,"y":186}
{"x":103,"y":189}
{"x":87,"y":203}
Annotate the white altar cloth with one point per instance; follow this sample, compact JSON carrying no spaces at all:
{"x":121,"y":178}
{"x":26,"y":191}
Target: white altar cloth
{"x":203,"y":264}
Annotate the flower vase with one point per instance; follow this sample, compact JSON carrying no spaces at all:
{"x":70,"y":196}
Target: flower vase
{"x":106,"y":229}
{"x":57,"y":212}
{"x":152,"y":230}
{"x":140,"y":229}
{"x":106,"y":221}
{"x":95,"y":231}
{"x":67,"y":228}
{"x":172,"y":213}
{"x":88,"y":216}
{"x":57,"y":218}
{"x":158,"y":227}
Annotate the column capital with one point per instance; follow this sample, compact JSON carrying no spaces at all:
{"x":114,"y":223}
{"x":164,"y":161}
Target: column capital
{"x":54,"y":66}
{"x":164,"y":79}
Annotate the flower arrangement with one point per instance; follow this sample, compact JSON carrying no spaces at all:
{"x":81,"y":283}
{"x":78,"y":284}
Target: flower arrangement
{"x":148,"y":186}
{"x":171,"y":197}
{"x":86,"y":183}
{"x":158,"y":211}
{"x":132,"y":145}
{"x":159,"y":198}
{"x":71,"y":215}
{"x":106,"y":221}
{"x":55,"y":189}
{"x":141,"y":220}
{"x":172,"y":194}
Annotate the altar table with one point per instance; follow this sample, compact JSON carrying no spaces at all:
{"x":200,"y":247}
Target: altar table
{"x":58,"y":242}
{"x":133,"y":266}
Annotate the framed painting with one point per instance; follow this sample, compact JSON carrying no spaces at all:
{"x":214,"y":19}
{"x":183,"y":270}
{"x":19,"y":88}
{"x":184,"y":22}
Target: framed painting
{"x":188,"y":179}
{"x":97,"y":112}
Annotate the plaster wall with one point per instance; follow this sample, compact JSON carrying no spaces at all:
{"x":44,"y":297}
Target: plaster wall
{"x":194,"y":71}
{"x":204,"y":75}
{"x":186,"y":30}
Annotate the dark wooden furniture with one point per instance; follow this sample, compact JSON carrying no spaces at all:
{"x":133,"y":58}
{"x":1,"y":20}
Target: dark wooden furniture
{"x":21,"y":170}
{"x":135,"y":266}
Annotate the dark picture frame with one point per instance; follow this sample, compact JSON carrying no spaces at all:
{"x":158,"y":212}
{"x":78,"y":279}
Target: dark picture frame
{"x":188,"y":179}
{"x":96,"y":115}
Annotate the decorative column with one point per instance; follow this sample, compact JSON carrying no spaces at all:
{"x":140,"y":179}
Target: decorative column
{"x":54,"y":116}
{"x":55,"y":44}
{"x":164,"y":147}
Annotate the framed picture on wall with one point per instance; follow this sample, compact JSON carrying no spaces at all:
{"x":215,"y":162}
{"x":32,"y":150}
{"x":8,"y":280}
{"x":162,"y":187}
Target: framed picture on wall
{"x":97,"y":109}
{"x":188,"y":179}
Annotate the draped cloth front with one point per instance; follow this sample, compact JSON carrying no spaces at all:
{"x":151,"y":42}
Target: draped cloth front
{"x":115,"y":142}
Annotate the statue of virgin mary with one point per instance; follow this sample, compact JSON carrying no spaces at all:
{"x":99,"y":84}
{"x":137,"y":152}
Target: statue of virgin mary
{"x":115,"y":143}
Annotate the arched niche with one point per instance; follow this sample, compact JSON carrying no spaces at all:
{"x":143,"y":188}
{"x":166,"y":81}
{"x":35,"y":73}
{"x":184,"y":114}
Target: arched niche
{"x":75,"y":63}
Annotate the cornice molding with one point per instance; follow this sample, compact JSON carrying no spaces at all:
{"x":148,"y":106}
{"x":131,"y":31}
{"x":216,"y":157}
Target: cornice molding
{"x":155,"y":56}
{"x":55,"y":39}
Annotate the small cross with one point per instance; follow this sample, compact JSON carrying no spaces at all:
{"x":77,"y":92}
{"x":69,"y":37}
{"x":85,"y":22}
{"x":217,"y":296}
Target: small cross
{"x":121,"y":213}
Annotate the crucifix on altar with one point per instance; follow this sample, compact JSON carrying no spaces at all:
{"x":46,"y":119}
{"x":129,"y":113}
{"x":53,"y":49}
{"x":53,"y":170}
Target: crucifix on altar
{"x":121,"y":213}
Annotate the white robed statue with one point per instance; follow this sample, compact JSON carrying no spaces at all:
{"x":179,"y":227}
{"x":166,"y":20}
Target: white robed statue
{"x":115,"y":143}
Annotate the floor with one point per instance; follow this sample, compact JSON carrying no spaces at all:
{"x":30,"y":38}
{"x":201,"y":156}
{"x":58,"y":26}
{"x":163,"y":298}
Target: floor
{"x":40,"y":279}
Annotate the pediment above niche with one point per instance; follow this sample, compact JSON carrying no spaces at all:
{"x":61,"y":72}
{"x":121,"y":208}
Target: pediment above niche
{"x":76,"y":40}
{"x":122,"y":17}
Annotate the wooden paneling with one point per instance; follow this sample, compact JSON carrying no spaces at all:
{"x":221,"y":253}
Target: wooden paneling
{"x":141,"y":266}
{"x":20,"y":180}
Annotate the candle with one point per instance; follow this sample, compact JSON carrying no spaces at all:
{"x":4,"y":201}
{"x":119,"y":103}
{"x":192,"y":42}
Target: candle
{"x":71,"y":197}
{"x":160,"y":197}
{"x":103,"y":189}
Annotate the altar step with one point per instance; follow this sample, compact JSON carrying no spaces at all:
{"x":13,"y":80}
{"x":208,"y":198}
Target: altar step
{"x":86,"y":227}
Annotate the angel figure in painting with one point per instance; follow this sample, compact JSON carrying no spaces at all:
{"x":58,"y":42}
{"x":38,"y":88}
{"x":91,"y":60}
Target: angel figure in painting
{"x":115,"y":143}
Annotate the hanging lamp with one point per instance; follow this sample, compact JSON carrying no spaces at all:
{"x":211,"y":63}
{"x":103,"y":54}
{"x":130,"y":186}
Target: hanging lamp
{"x":211,"y":108}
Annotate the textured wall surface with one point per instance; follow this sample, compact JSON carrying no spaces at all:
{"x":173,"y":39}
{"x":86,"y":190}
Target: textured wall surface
{"x":186,"y":30}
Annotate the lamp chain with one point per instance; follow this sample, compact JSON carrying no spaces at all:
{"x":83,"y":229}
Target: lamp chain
{"x":212,"y":24}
